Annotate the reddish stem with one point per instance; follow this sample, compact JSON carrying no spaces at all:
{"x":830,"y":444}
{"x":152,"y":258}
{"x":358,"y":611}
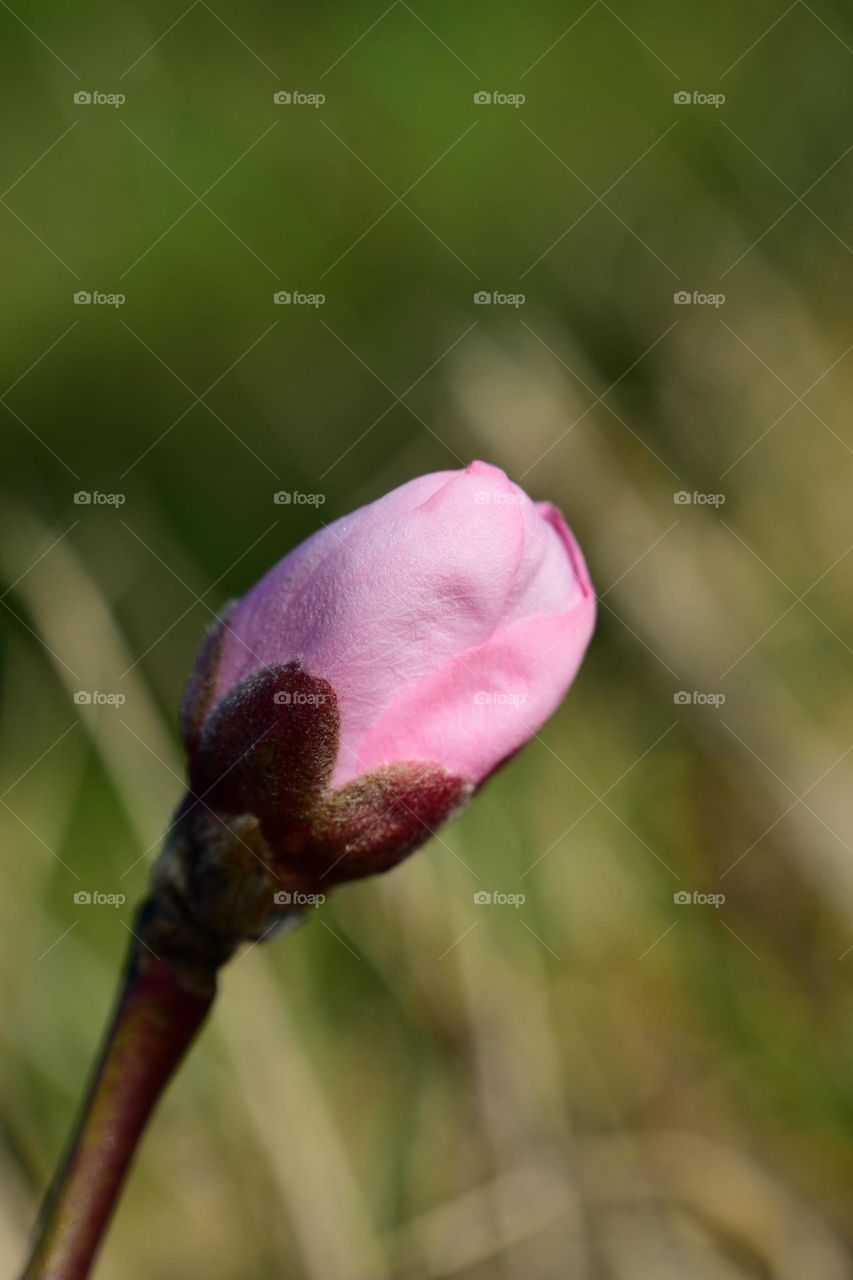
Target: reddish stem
{"x":155,"y":1020}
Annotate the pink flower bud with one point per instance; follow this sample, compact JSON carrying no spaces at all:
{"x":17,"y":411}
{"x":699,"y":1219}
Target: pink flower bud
{"x":386,"y":667}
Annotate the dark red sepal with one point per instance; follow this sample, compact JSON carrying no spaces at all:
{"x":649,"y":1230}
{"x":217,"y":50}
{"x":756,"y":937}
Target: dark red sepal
{"x":268,"y":748}
{"x":376,"y":820}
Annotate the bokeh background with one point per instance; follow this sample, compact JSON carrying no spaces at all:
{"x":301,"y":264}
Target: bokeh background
{"x":605,"y":1082}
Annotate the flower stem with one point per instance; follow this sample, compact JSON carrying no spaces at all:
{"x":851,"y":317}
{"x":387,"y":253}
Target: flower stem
{"x":156,"y":1017}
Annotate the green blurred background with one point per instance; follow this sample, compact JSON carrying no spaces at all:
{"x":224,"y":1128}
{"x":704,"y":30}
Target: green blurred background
{"x":603,"y":1082}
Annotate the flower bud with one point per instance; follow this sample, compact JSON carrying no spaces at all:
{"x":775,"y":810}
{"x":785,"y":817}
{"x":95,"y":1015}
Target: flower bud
{"x":364,"y":688}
